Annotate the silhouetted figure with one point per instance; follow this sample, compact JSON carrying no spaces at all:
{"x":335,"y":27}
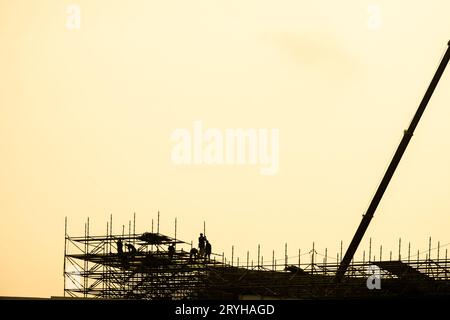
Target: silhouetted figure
{"x":131,"y":248}
{"x":201,"y":244}
{"x":119,"y":247}
{"x":208,"y":250}
{"x":122,"y":257}
{"x":171,"y":251}
{"x":193,"y":253}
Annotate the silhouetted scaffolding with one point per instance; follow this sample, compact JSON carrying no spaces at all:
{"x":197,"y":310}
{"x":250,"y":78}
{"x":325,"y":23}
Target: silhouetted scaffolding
{"x":95,"y":267}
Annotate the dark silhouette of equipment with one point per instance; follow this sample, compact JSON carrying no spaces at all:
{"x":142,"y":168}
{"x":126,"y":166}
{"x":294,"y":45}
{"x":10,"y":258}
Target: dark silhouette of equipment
{"x":391,"y":169}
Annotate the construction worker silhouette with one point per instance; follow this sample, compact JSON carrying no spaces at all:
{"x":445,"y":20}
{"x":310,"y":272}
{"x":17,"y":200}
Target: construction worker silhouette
{"x":208,"y":250}
{"x":193,"y":253}
{"x":201,"y":244}
{"x":171,"y":251}
{"x":119,"y":247}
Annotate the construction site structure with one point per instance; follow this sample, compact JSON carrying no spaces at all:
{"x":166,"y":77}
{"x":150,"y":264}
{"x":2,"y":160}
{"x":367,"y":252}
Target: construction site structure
{"x":95,"y":267}
{"x":99,"y":267}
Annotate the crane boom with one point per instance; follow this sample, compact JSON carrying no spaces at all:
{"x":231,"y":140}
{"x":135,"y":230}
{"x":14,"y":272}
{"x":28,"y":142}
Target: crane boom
{"x":391,"y":169}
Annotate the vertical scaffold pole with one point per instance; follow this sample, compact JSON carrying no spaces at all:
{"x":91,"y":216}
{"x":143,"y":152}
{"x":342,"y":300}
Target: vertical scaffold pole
{"x":258,"y":255}
{"x":134,"y":228}
{"x":438,"y":248}
{"x":232,"y":255}
{"x":299,"y":257}
{"x":285,"y":255}
{"x":157,"y":231}
{"x":273,"y":260}
{"x":409,"y":252}
{"x":175,"y":235}
{"x":65,"y":253}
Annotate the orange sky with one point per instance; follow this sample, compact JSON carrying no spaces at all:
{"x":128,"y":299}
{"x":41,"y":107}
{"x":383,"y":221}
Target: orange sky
{"x":86,"y":117}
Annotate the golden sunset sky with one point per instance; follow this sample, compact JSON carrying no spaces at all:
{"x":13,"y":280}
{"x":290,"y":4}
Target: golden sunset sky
{"x":86,"y":117}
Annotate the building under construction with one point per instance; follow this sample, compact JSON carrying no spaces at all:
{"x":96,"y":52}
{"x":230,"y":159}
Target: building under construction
{"x":98,"y":267}
{"x":95,"y":267}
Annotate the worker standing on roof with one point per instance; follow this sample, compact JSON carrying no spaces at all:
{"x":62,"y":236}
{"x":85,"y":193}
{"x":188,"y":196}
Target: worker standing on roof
{"x":171,"y":251}
{"x":119,"y":247}
{"x":201,"y":244}
{"x":193,"y":254}
{"x":207,"y":250}
{"x":122,"y":257}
